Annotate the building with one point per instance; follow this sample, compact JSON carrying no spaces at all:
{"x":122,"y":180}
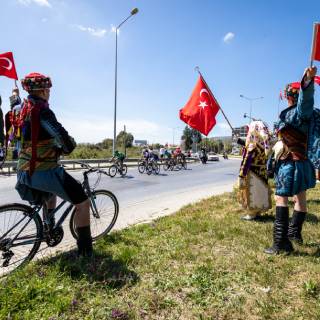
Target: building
{"x":239,"y":132}
{"x":140,"y":143}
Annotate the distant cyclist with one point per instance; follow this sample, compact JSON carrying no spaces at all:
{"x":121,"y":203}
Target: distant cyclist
{"x":119,"y":158}
{"x":145,"y":153}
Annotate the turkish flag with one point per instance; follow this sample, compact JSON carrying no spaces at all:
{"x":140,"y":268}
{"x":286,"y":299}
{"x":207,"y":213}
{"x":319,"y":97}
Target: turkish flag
{"x":315,"y":55}
{"x":7,"y":67}
{"x":201,"y":109}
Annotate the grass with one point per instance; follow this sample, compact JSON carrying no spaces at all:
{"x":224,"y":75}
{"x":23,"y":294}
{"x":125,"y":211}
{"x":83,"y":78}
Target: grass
{"x":201,"y":263}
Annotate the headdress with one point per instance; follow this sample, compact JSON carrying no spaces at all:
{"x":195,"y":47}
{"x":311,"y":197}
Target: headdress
{"x":36,"y":81}
{"x":292,"y":90}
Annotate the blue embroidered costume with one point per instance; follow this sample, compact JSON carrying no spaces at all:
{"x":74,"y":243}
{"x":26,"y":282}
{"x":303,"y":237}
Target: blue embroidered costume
{"x":294,"y":171}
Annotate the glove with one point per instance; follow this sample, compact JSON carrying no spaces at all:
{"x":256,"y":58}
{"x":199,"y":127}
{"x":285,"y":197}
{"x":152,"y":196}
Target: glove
{"x":14,"y":101}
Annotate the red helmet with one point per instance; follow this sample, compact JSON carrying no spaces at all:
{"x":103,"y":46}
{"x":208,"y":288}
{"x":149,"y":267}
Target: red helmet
{"x":36,"y":81}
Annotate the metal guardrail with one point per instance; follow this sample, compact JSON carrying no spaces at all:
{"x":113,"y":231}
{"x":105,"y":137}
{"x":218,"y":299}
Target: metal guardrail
{"x":9,"y":167}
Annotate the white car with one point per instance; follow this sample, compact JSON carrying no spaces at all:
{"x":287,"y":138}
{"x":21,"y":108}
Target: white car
{"x":213,"y":157}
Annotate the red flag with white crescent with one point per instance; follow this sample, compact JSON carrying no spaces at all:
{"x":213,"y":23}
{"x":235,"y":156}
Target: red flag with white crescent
{"x":201,"y":109}
{"x":315,"y":53}
{"x":7,"y":67}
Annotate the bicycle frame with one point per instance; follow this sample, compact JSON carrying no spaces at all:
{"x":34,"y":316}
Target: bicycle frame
{"x":46,"y":217}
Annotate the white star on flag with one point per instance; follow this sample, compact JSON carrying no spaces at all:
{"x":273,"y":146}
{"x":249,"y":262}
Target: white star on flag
{"x":203,"y":104}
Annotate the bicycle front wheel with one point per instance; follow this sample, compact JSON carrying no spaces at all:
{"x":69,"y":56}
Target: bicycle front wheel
{"x":149,"y":168}
{"x":113,"y":170}
{"x":141,"y":166}
{"x":184,"y":165}
{"x":20,"y":236}
{"x":156,"y":168}
{"x":104,"y":210}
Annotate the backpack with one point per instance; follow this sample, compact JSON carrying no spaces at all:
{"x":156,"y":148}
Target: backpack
{"x":314,"y":139}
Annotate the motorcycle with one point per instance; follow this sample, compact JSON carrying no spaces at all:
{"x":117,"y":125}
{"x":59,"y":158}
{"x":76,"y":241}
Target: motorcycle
{"x":204,"y":159}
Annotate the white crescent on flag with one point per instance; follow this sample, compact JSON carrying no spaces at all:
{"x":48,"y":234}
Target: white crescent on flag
{"x":202,"y":91}
{"x":9,"y":67}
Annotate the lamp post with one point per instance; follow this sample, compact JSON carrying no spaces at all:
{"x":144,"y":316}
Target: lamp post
{"x":173,"y":129}
{"x":133,"y":12}
{"x":250,"y":99}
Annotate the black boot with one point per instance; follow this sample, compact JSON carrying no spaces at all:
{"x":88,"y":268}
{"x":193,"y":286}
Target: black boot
{"x":295,"y":226}
{"x":84,"y":241}
{"x":281,"y":242}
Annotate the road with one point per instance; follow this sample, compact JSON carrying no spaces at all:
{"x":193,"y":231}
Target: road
{"x":143,"y":198}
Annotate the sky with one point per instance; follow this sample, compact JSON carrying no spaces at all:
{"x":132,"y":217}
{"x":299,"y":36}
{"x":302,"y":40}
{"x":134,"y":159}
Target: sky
{"x":247,"y":47}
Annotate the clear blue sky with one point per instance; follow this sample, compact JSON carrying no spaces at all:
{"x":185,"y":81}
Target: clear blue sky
{"x":72,"y":41}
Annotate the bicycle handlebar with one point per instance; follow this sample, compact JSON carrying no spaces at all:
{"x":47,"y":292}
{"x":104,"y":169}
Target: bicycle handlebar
{"x":91,"y":169}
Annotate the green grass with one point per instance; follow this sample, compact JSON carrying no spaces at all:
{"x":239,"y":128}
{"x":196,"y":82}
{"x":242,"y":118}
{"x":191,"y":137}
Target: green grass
{"x":201,"y":263}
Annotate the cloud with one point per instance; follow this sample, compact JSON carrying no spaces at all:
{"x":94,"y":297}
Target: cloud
{"x":228,"y":37}
{"x":220,"y":130}
{"x":94,"y":129}
{"x":92,"y":31}
{"x":114,"y":28}
{"x":42,"y":3}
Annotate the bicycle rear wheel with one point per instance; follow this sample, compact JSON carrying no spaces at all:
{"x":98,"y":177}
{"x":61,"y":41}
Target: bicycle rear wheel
{"x":20,"y":236}
{"x":107,"y":206}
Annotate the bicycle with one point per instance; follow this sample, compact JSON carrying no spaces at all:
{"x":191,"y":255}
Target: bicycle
{"x":118,"y":167}
{"x":182,"y":161}
{"x":22,"y":230}
{"x":152,"y":166}
{"x":171,"y":164}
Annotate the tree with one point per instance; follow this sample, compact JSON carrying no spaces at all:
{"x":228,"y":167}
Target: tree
{"x":124,"y":138}
{"x":105,"y":143}
{"x":187,"y":137}
{"x":227,"y":146}
{"x":196,"y":136}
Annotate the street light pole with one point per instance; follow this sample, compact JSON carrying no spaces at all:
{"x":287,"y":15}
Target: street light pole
{"x":133,"y":12}
{"x":251,"y":100}
{"x":173,"y":128}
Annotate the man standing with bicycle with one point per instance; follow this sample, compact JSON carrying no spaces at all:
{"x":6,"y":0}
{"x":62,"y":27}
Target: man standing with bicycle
{"x":40,"y":178}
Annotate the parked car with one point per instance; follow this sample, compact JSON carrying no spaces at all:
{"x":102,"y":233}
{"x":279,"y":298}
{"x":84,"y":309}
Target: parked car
{"x":213,"y":156}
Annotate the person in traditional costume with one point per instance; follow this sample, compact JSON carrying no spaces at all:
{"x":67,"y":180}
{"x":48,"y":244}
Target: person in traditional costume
{"x":2,"y":153}
{"x":1,"y":126}
{"x":39,"y":177}
{"x":294,"y":171}
{"x":13,"y":134}
{"x":254,"y":193}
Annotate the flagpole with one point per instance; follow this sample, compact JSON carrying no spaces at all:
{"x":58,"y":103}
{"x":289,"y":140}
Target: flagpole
{"x":198,"y":69}
{"x":279,"y":103}
{"x":314,"y":36}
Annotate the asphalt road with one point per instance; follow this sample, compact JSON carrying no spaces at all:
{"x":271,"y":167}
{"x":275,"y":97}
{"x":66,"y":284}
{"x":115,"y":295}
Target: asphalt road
{"x":143,"y":198}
